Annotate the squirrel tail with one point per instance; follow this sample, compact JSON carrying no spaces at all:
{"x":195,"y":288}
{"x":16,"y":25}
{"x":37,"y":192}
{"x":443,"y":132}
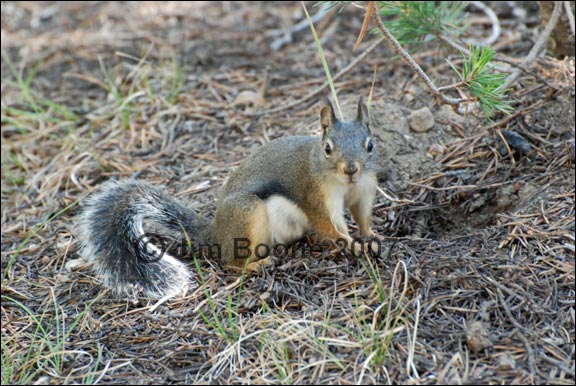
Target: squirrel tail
{"x":111,"y":229}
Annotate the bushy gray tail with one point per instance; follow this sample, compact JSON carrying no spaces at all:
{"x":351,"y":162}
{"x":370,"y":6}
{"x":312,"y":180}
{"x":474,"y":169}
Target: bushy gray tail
{"x":111,"y":229}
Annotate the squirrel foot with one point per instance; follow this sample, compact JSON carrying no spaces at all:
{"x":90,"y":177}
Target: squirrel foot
{"x":252,"y":266}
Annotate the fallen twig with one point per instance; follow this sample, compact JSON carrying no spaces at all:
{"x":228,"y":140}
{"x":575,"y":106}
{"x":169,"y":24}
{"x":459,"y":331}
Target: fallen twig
{"x":570,"y":16}
{"x":538,"y":45}
{"x":493,"y":19}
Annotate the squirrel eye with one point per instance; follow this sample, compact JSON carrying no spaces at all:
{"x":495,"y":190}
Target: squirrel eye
{"x":328,"y":148}
{"x":369,"y":146}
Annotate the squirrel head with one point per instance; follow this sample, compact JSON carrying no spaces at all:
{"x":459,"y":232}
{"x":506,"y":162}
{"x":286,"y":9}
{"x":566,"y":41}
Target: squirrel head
{"x":347,"y":147}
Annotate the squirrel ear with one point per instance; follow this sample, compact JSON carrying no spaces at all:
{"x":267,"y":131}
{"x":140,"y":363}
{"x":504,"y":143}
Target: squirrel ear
{"x":363,"y":116}
{"x":327,"y":116}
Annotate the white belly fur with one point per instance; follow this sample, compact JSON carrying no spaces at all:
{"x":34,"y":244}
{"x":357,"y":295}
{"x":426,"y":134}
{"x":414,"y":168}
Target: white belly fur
{"x":286,"y":220}
{"x":341,"y":195}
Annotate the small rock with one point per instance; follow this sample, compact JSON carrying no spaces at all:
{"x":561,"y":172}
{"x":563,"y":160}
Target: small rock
{"x":506,"y":196}
{"x":265,"y":296}
{"x":447,"y":114}
{"x":477,"y":336}
{"x":478,"y":201}
{"x":516,"y":142}
{"x":245,"y":98}
{"x":506,"y":362}
{"x":76,"y":264}
{"x":421,"y":120}
{"x":436,"y":149}
{"x":468,"y":108}
{"x":408,"y":98}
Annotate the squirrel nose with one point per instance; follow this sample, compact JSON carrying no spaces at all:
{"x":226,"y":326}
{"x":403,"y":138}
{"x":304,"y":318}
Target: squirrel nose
{"x":351,"y":168}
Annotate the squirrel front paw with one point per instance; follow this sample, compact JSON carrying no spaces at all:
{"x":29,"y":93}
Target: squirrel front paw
{"x":254,"y":266}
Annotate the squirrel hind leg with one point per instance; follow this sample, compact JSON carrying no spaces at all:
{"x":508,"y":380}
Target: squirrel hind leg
{"x":244,"y":233}
{"x":241,"y":224}
{"x":276,"y":221}
{"x":252,"y":234}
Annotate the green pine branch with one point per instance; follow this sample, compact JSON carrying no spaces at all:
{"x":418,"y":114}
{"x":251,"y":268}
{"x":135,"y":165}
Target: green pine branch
{"x":486,"y":86}
{"x":418,"y":21}
{"x":408,"y":22}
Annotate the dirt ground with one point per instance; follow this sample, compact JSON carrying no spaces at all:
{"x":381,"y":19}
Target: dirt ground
{"x":476,"y":284}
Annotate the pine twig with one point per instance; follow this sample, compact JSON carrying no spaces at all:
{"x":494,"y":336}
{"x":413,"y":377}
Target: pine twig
{"x":452,"y":86}
{"x":407,"y":58}
{"x":498,"y":58}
